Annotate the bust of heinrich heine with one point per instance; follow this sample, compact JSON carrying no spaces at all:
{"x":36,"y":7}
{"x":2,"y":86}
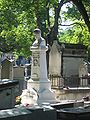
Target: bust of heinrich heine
{"x":39,"y":40}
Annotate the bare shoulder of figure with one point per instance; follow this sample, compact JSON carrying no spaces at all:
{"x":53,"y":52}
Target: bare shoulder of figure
{"x":35,"y":43}
{"x":42,"y":39}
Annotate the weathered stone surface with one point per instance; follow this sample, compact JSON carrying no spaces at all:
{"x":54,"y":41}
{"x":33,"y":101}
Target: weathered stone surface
{"x":22,"y":113}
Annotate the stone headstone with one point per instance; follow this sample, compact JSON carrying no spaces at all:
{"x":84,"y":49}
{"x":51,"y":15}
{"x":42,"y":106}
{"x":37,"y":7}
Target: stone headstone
{"x":83,"y":71}
{"x":18,"y":74}
{"x":7,"y":69}
{"x":55,"y":60}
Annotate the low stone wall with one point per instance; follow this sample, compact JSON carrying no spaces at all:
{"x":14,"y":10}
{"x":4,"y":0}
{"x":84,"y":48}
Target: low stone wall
{"x":72,"y":93}
{"x":7,"y":93}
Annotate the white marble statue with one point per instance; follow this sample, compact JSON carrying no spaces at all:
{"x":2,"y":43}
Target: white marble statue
{"x":39,"y":42}
{"x":39,"y":79}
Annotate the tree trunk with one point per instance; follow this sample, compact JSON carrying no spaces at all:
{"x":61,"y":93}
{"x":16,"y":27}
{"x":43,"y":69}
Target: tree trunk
{"x":83,"y":12}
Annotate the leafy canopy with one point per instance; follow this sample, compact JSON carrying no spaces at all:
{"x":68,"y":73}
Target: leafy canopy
{"x":18,"y":18}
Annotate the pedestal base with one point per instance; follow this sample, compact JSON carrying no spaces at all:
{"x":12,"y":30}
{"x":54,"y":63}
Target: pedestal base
{"x":33,"y":84}
{"x":43,"y":88}
{"x":46,"y":96}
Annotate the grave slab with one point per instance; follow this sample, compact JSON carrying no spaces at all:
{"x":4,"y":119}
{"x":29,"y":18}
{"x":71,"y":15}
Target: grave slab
{"x":23,"y":113}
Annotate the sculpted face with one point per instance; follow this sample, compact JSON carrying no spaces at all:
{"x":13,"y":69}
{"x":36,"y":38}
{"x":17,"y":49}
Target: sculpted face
{"x":37,"y":34}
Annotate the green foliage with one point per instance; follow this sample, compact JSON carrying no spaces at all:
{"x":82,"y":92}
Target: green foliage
{"x":18,"y":18}
{"x":76,"y":35}
{"x":77,"y":32}
{"x":16,"y":26}
{"x":7,"y":40}
{"x":72,"y":13}
{"x":24,"y":40}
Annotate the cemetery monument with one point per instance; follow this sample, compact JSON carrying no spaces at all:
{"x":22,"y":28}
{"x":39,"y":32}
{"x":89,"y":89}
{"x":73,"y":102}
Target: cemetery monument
{"x":39,"y":81}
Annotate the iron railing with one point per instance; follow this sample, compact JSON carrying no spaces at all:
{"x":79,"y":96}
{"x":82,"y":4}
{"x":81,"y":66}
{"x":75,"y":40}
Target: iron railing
{"x":73,"y":81}
{"x":56,"y":81}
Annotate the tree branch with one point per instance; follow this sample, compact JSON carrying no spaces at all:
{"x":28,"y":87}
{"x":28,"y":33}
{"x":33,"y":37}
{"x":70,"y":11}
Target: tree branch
{"x":57,"y":10}
{"x":48,"y":19}
{"x":54,"y":29}
{"x":72,"y":24}
{"x":83,"y":12}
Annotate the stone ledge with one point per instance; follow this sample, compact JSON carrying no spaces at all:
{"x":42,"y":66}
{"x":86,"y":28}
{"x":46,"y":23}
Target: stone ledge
{"x":23,"y":113}
{"x":76,"y":89}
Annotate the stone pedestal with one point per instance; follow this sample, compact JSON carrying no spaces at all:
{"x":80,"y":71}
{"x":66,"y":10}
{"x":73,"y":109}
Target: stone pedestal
{"x":39,"y":80}
{"x":35,"y":69}
{"x":45,"y":92}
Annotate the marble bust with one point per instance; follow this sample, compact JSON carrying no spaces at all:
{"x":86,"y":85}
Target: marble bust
{"x":39,"y":42}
